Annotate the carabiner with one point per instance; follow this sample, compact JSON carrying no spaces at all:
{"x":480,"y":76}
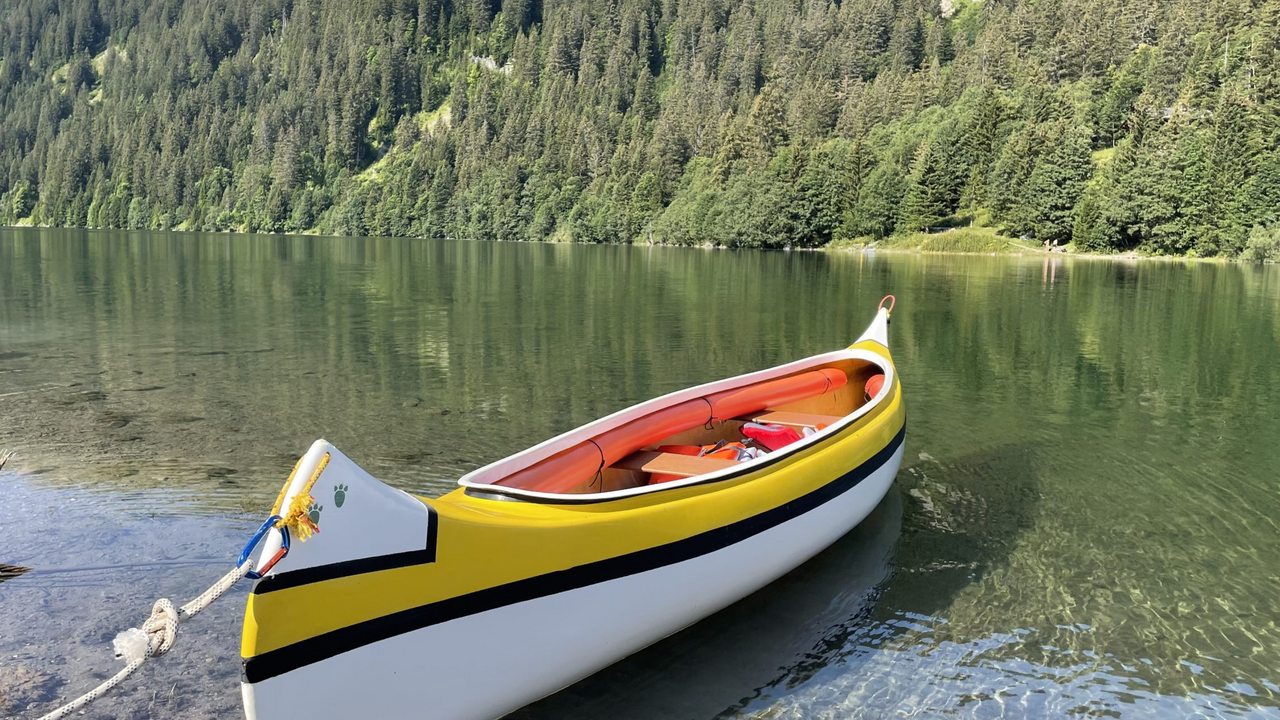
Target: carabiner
{"x":257,"y":538}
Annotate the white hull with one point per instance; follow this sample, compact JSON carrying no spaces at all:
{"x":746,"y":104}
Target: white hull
{"x":489,"y":664}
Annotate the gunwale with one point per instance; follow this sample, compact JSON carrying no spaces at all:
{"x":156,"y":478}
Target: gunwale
{"x":481,"y":483}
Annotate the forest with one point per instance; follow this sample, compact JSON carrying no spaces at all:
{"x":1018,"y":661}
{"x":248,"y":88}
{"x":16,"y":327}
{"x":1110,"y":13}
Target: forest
{"x":1150,"y":126}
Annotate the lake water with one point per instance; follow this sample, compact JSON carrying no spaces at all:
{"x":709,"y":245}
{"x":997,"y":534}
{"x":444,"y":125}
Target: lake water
{"x":1086,"y":523}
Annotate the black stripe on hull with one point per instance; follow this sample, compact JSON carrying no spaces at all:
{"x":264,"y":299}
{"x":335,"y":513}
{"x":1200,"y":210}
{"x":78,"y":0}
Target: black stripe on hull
{"x":346,"y":568}
{"x":312,"y":650}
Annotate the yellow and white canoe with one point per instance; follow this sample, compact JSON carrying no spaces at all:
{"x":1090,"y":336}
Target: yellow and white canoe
{"x":536,"y":572}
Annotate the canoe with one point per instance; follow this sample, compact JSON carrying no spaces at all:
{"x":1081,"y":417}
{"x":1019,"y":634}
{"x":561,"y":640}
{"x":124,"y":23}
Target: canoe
{"x":551,"y":564}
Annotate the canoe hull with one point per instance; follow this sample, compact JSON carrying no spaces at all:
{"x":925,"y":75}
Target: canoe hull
{"x":490,"y":663}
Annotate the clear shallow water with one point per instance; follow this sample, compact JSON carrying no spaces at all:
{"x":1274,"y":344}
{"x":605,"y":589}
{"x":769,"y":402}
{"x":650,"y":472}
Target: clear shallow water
{"x":1085,"y":524}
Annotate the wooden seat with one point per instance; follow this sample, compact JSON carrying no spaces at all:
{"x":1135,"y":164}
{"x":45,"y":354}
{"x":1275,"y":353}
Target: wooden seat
{"x":672,"y":464}
{"x":795,"y":419}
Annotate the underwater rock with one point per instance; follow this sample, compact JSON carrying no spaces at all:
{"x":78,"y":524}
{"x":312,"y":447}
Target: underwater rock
{"x":21,"y":686}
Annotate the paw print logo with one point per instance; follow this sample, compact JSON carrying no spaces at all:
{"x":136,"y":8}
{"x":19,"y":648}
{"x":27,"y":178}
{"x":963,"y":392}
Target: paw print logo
{"x":340,"y":494}
{"x":313,"y":512}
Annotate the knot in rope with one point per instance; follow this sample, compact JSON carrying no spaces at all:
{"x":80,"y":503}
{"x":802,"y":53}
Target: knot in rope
{"x":161,"y":628}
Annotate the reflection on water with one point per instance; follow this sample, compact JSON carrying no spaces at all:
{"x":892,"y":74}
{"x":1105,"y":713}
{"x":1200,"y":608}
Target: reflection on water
{"x":1085,"y":526}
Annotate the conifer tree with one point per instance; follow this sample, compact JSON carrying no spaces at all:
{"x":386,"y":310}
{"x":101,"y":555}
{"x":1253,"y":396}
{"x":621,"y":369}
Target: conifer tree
{"x":1057,"y":184}
{"x":646,"y":201}
{"x":768,"y":121}
{"x":925,"y":202}
{"x":879,"y":206}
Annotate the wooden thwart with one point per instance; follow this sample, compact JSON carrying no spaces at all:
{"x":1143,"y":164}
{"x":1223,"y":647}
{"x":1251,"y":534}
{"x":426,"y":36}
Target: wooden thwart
{"x":795,"y":419}
{"x":672,"y":463}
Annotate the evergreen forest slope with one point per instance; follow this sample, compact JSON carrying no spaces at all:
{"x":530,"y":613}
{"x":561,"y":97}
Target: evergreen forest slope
{"x":1118,"y":125}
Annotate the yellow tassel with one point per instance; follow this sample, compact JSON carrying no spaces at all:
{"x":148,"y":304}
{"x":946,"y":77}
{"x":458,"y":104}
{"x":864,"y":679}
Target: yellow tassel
{"x":297,"y":520}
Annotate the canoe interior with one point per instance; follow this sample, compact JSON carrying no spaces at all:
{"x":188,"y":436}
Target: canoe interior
{"x":628,"y":473}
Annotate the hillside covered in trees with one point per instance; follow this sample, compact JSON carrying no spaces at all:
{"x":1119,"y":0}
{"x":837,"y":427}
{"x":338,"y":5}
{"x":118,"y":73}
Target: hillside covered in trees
{"x":1148,"y":125}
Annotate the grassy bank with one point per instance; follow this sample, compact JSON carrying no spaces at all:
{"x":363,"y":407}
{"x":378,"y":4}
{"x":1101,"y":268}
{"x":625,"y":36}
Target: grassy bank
{"x":984,"y":240}
{"x":987,"y":241}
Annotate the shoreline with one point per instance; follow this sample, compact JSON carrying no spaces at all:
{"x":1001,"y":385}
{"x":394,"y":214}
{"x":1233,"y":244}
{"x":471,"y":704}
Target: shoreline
{"x":1011,"y":248}
{"x":1034,"y":253}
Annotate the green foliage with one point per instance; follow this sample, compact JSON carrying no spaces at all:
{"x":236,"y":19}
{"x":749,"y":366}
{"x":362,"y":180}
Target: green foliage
{"x":926,"y":200}
{"x":879,"y":206}
{"x":737,"y":124}
{"x":1263,"y":245}
{"x":1055,"y":186}
{"x":1008,"y":177}
{"x":824,"y":192}
{"x":23,"y":201}
{"x":1113,"y":108}
{"x":1088,"y":230}
{"x":646,"y":203}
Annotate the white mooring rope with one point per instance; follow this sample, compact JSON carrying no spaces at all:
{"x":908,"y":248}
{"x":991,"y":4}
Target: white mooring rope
{"x":154,"y":638}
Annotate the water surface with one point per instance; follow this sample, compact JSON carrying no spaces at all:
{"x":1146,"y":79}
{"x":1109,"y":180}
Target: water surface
{"x":1085,"y":524}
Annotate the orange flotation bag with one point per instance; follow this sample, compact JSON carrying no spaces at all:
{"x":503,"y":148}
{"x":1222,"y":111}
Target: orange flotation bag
{"x":873,"y":386}
{"x":626,"y":439}
{"x":754,"y":398}
{"x":566,"y":470}
{"x":559,"y":473}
